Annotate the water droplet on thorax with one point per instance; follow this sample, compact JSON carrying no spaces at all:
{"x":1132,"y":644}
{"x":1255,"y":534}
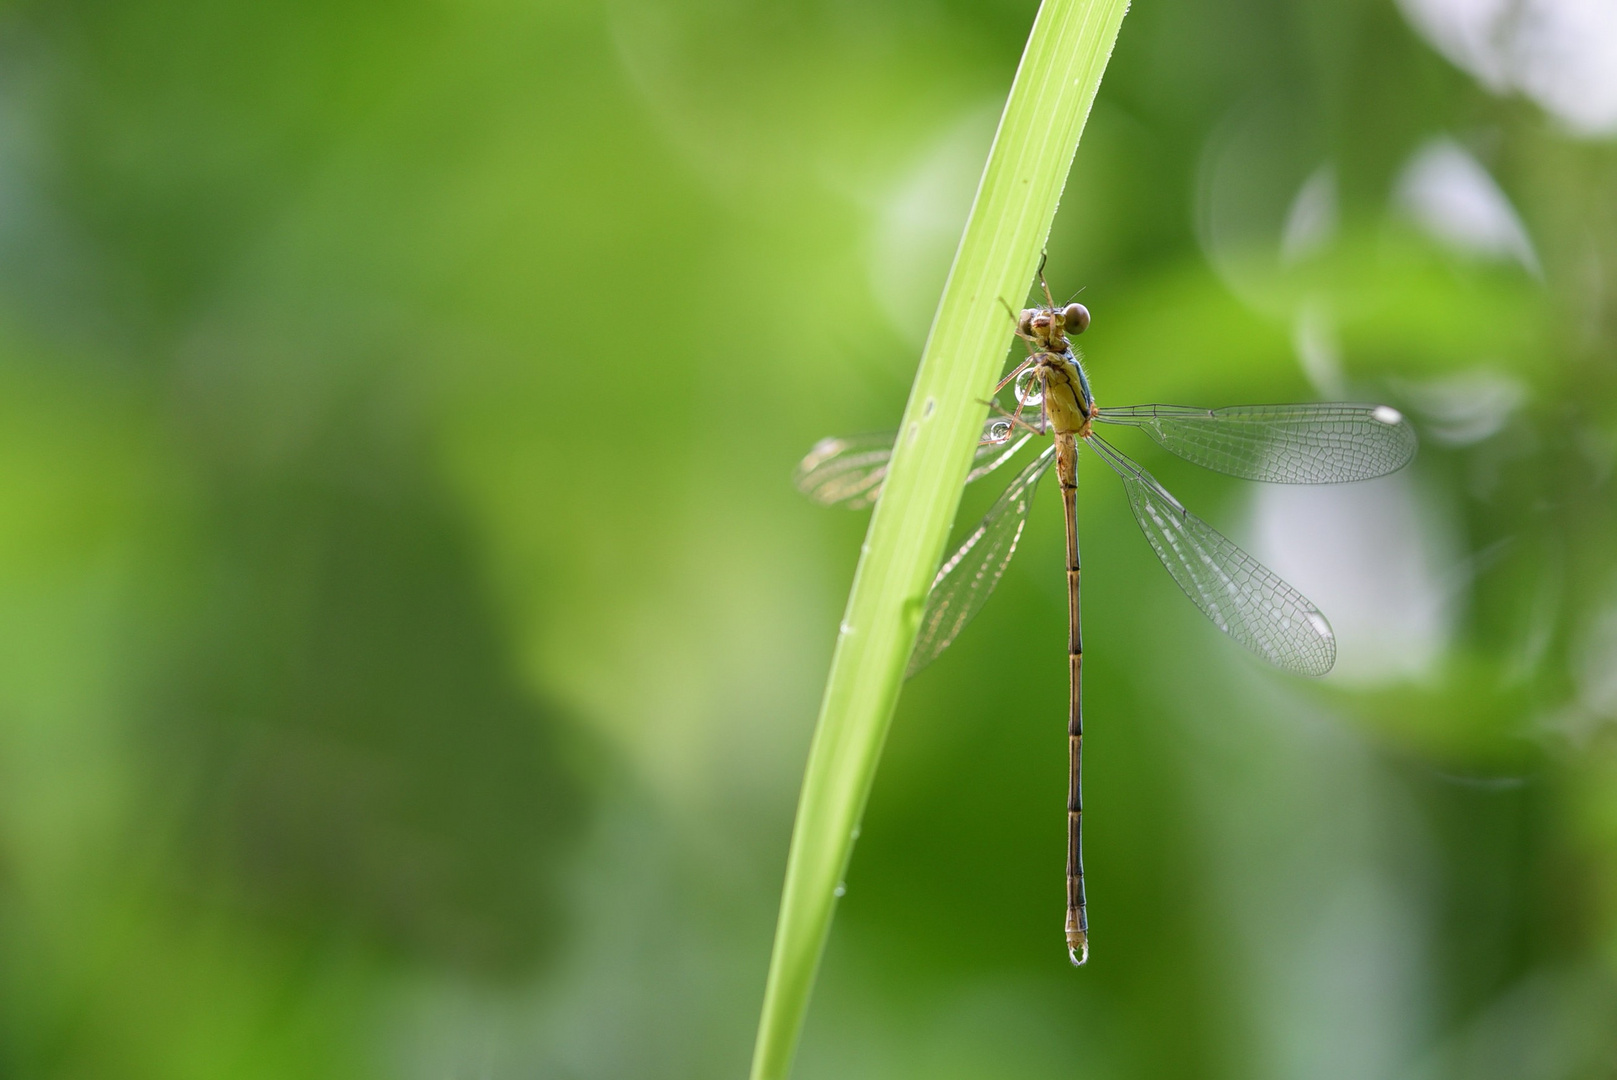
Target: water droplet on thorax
{"x":1029,"y":387}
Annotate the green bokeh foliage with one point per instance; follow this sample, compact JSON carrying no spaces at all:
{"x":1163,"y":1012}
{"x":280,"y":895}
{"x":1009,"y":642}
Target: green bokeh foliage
{"x":409,"y":637}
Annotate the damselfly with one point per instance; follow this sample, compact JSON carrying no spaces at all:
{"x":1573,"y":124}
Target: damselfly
{"x":1288,"y":444}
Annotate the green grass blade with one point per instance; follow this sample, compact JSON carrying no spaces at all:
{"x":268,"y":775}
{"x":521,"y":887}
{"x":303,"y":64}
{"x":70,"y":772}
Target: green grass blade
{"x":1055,"y":85}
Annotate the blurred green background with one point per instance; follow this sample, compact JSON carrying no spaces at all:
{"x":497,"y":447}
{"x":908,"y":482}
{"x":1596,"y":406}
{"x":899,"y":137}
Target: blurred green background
{"x":410,"y":636}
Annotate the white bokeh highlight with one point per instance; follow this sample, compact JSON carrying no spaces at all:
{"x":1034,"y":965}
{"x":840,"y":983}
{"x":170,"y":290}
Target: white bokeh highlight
{"x":1466,"y":407}
{"x":1313,"y":217}
{"x":1448,"y":193}
{"x":1375,"y":560}
{"x":1560,"y":53}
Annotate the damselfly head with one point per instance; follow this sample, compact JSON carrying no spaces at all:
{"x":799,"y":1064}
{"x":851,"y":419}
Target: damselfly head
{"x":1050,"y":326}
{"x":1039,"y":323}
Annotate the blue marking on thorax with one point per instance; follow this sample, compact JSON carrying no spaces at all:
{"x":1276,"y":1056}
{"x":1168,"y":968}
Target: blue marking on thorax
{"x":1083,"y":381}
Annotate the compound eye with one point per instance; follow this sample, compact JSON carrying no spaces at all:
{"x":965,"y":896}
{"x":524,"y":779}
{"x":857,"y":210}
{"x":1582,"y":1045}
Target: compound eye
{"x":1076,"y":318}
{"x":1025,"y":323}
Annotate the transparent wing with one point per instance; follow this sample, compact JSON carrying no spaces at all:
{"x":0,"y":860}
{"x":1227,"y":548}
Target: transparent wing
{"x":850,"y":470}
{"x":1329,"y":443}
{"x":1244,"y":598}
{"x":846,"y":470}
{"x":967,"y":577}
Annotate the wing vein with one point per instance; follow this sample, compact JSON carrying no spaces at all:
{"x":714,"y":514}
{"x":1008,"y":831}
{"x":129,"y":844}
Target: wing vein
{"x":967,"y":578}
{"x":1308,"y":443}
{"x":1240,"y":595}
